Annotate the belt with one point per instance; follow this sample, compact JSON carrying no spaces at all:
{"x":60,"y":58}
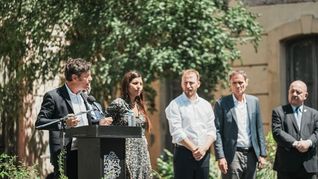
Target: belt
{"x":179,"y":146}
{"x":244,"y":149}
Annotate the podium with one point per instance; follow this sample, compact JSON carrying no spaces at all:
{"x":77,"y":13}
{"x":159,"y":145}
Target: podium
{"x":101,"y":150}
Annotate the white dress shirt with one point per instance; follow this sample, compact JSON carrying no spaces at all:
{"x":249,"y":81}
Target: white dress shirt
{"x":78,"y":106}
{"x":190,"y":119}
{"x":244,"y":132}
{"x":298,"y":114}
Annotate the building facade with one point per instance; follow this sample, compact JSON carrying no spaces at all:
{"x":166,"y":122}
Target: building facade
{"x":287,"y":51}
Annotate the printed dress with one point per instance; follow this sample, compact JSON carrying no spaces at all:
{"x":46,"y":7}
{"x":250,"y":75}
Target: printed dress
{"x":137,"y":154}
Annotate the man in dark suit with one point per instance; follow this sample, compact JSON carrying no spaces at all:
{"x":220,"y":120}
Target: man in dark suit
{"x":295,"y":130}
{"x":240,"y":141}
{"x":65,"y":102}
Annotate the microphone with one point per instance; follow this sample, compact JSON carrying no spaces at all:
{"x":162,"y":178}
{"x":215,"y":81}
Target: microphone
{"x":91,"y":99}
{"x":84,"y":95}
{"x":99,"y":114}
{"x":87,"y":98}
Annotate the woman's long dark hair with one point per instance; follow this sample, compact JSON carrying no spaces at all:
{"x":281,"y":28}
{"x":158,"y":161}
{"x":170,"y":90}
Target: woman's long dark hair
{"x":128,"y":77}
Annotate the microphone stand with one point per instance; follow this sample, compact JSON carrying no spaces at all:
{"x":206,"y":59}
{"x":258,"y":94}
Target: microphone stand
{"x":62,"y":120}
{"x":62,"y":155}
{"x":62,"y":134}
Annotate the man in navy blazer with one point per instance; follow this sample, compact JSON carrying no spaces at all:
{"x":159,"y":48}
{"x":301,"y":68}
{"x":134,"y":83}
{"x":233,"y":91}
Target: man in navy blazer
{"x":65,"y":101}
{"x":295,"y":130}
{"x":240,"y":142}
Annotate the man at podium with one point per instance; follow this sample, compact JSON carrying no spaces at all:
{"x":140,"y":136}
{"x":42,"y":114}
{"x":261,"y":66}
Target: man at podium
{"x":66,"y":104}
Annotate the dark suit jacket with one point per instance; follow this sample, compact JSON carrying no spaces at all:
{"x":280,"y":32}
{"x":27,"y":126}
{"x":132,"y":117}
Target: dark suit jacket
{"x":286,"y":132}
{"x":56,"y":104}
{"x":227,"y":129}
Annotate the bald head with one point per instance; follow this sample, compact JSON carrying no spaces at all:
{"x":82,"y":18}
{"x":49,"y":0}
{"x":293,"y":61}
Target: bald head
{"x":297,"y":93}
{"x":299,"y":83}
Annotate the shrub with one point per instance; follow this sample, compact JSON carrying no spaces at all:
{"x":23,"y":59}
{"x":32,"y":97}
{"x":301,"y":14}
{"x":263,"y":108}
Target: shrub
{"x":13,"y":169}
{"x":61,"y":162}
{"x":267,"y":172}
{"x":165,"y":165}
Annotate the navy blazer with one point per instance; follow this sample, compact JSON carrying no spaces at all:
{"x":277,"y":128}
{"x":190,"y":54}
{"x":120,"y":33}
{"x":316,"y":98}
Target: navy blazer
{"x":227,"y":129}
{"x":56,"y":104}
{"x":285,"y":132}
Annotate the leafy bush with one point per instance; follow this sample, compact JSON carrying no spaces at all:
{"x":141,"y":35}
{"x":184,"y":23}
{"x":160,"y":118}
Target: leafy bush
{"x":268,"y":172}
{"x":165,"y":165}
{"x":13,"y":169}
{"x":214,"y":172}
{"x":61,"y":162}
{"x":159,"y":38}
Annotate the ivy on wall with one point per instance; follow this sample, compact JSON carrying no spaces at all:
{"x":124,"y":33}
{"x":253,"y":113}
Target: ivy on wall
{"x":159,"y":38}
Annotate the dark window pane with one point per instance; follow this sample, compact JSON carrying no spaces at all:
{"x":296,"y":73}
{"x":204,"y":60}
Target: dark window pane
{"x":302,"y":65}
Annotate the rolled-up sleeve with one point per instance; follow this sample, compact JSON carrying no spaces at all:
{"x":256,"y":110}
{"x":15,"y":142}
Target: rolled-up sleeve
{"x":211,"y":130}
{"x":175,"y":123}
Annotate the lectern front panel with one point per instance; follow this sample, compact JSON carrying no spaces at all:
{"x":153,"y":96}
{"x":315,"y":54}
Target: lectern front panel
{"x":101,"y":158}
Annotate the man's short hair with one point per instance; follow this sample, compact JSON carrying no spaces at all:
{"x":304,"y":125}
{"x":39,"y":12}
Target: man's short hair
{"x":237,"y":72}
{"x":191,"y":71}
{"x":77,"y":67}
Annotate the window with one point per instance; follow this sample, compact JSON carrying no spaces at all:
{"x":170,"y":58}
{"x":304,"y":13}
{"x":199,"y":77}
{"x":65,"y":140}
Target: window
{"x":302,"y":64}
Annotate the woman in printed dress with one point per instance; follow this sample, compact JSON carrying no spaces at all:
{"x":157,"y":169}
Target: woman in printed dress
{"x":131,"y":100}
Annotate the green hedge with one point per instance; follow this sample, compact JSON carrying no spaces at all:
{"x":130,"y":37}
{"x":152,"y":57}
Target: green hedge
{"x":11,"y":168}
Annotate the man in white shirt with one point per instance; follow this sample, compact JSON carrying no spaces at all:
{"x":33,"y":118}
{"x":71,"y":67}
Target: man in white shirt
{"x":240,"y":142}
{"x":191,"y":123}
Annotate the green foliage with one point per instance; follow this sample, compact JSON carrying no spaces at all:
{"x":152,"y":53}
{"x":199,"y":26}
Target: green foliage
{"x":214,"y":172}
{"x":159,"y":38}
{"x":61,"y":162}
{"x":11,"y":168}
{"x":165,"y":165}
{"x":268,"y":172}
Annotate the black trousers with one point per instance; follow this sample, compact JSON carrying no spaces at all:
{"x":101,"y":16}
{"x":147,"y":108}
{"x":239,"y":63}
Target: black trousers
{"x":186,"y":167}
{"x":299,"y":174}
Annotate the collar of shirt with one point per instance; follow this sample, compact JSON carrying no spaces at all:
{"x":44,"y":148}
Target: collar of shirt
{"x":77,"y":102}
{"x":191,"y":101}
{"x":300,"y":108}
{"x":70,"y":92}
{"x":236,"y":102}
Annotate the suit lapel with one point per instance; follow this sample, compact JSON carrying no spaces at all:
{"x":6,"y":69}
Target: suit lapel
{"x":291,"y":117}
{"x":250,"y":108}
{"x":230,"y":105}
{"x":304,"y":117}
{"x":67,"y":98}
